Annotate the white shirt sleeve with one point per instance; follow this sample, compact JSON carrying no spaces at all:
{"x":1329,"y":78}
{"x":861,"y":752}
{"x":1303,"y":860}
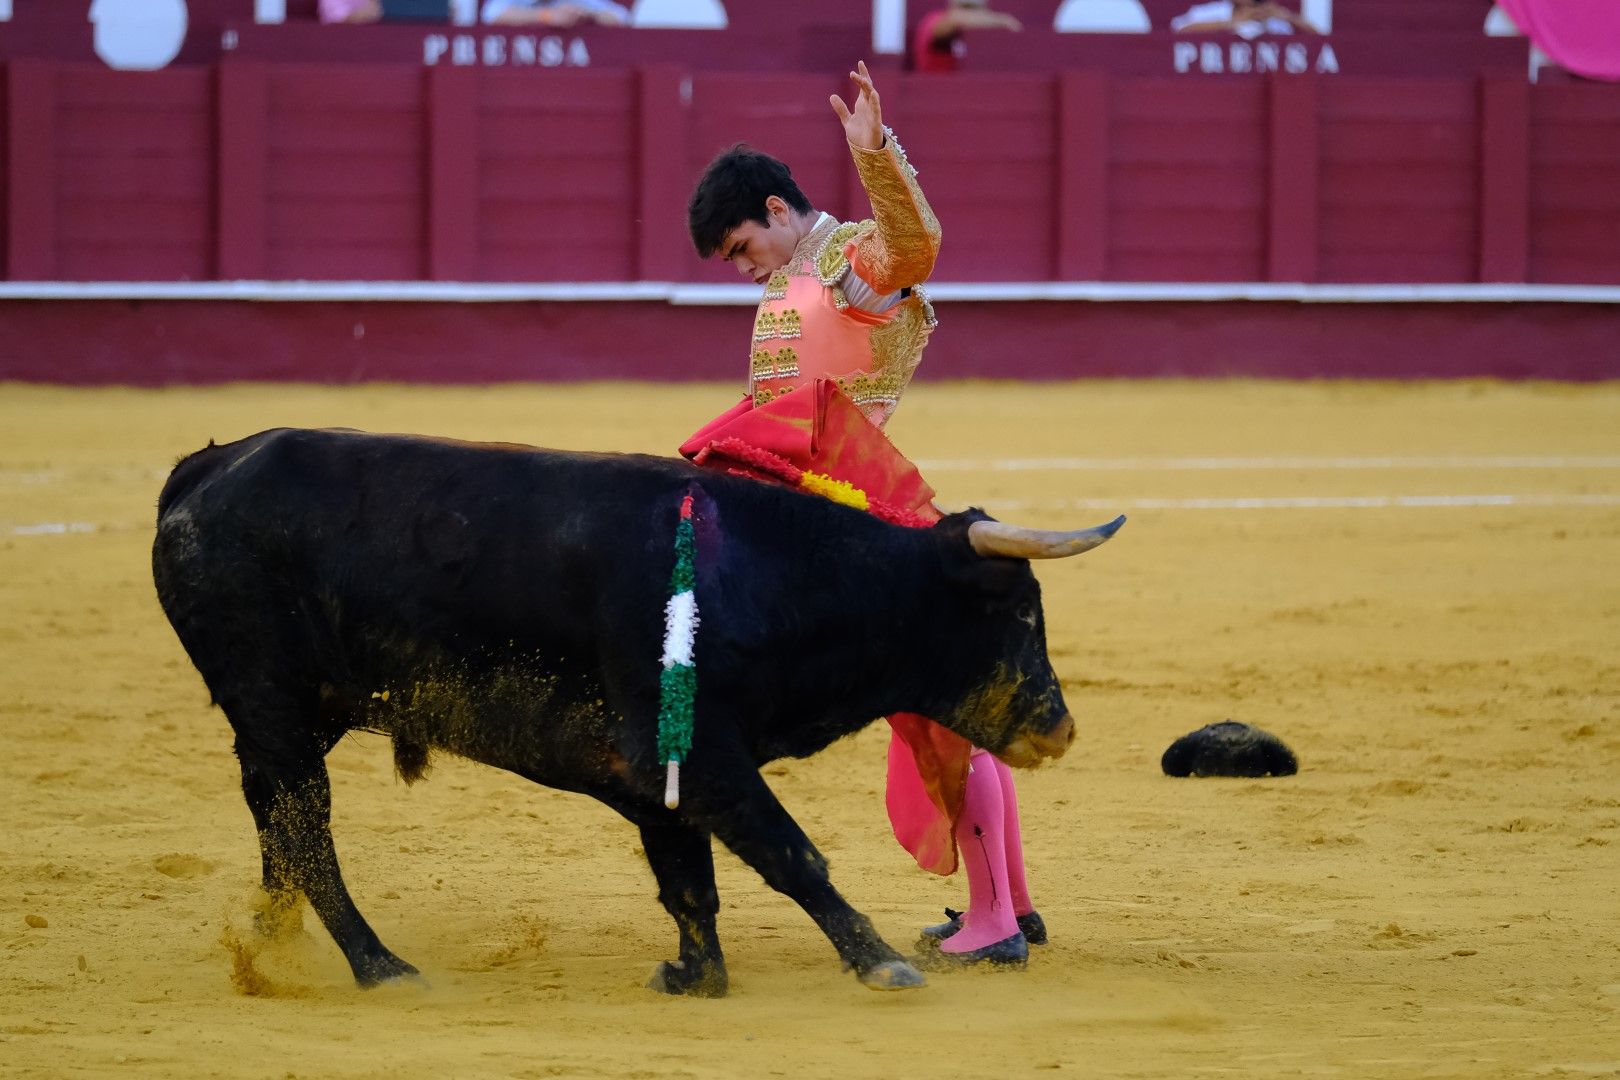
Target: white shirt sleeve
{"x":863,"y":296}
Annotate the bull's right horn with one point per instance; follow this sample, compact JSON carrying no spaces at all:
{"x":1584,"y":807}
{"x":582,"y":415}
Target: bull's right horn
{"x":1015,"y":542}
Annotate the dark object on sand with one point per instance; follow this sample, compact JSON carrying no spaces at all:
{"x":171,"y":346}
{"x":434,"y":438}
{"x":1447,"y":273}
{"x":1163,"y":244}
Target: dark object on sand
{"x":1229,"y":749}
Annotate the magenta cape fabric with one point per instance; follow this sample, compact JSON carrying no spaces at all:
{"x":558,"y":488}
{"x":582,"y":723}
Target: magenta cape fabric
{"x":1580,"y":35}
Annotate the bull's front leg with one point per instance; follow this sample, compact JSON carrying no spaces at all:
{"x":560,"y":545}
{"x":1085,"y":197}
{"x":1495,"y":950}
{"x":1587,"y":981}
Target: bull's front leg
{"x":758,"y":829}
{"x":683,"y":862}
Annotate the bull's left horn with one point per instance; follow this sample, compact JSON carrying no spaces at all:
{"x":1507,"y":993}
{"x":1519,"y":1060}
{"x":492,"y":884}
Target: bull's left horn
{"x":1015,"y":542}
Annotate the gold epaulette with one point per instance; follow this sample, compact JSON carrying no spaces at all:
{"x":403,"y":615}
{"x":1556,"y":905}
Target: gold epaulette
{"x":830,"y":260}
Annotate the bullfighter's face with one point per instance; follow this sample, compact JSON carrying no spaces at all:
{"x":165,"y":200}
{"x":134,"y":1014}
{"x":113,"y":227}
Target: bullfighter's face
{"x":758,"y":251}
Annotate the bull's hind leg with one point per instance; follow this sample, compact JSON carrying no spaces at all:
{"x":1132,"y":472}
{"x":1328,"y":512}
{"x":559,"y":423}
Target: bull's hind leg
{"x":290,"y":796}
{"x":282,"y":913}
{"x":683,"y":862}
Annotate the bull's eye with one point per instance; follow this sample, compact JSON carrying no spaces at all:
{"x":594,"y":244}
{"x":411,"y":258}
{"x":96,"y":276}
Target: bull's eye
{"x":1026,"y":614}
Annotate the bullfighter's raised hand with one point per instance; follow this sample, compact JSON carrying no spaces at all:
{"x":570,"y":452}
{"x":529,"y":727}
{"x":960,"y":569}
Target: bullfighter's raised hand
{"x":863,"y":125}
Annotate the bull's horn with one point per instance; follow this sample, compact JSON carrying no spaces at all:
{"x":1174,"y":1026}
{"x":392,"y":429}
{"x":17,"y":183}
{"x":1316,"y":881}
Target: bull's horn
{"x":1014,"y":542}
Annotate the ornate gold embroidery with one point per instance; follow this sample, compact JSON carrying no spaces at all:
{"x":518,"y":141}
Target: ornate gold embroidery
{"x":871,"y":391}
{"x":789,"y":326}
{"x":897,"y":348}
{"x":776,"y":285}
{"x":902,"y":249}
{"x":840,"y":301}
{"x":784,"y":364}
{"x":765,"y":326}
{"x":787,"y":363}
{"x":761,"y":364}
{"x":927,"y":306}
{"x":830,"y":259}
{"x":762,"y":396}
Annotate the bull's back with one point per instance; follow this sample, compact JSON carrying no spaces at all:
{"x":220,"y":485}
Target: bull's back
{"x":412,"y":536}
{"x":303,"y":477}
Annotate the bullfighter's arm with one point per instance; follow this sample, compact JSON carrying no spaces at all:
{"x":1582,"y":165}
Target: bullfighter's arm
{"x":897,"y":248}
{"x":900,"y":247}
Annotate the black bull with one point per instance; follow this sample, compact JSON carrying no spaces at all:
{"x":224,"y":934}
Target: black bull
{"x":507,"y":604}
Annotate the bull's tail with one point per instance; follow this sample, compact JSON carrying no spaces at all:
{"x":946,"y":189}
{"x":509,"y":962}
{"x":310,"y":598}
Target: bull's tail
{"x":412,"y":757}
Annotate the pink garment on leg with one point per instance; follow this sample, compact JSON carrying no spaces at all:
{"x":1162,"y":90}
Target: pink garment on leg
{"x":981,"y":836}
{"x":1017,"y":886}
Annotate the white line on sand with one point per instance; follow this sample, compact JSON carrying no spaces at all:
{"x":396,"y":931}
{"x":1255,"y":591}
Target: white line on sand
{"x":1239,"y":464}
{"x":55,"y":528}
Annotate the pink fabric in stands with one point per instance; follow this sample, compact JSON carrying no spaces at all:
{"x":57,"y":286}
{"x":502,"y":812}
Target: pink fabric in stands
{"x":338,"y":10}
{"x":1580,"y":35}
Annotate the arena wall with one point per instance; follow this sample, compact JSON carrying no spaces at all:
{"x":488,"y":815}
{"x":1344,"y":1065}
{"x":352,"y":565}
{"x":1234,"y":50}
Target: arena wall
{"x":243,"y":170}
{"x":386,"y":172}
{"x":160,"y":341}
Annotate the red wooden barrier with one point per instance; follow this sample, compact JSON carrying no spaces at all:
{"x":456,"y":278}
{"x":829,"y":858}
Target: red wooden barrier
{"x":243,"y":112}
{"x":391,"y":172}
{"x":1504,"y":197}
{"x":1187,"y":181}
{"x":1295,"y":197}
{"x":1574,"y":184}
{"x":31,"y":170}
{"x":1082,"y":176}
{"x":156,"y":342}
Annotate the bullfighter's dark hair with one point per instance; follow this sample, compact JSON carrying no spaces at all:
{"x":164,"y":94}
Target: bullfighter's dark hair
{"x":733,"y":190}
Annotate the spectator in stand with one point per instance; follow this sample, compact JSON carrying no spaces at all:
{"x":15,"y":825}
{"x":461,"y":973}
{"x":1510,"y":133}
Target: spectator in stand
{"x":1245,"y":18}
{"x":555,"y":12}
{"x":938,"y":43}
{"x":350,"y":11}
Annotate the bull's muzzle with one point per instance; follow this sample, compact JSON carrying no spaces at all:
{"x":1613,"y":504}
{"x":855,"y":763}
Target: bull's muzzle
{"x":1030,"y":749}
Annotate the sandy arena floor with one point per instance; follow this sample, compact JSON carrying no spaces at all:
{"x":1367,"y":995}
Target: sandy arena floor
{"x":1436,"y":894}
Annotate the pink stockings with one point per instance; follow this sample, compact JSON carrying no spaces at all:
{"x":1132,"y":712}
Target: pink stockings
{"x":992,"y":851}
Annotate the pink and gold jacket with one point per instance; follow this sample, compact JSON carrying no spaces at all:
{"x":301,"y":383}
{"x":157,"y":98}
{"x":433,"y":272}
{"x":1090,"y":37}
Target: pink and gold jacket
{"x":849,"y":306}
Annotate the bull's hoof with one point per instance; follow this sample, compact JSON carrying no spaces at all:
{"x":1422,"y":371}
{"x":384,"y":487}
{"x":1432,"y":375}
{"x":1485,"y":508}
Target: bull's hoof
{"x":278,"y":915}
{"x":385,"y":968}
{"x":894,"y":975}
{"x":676,"y":977}
{"x":278,"y":923}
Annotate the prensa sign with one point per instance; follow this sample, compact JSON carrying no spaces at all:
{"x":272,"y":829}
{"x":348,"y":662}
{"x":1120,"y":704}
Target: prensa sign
{"x":503,"y":50}
{"x":1243,"y":57}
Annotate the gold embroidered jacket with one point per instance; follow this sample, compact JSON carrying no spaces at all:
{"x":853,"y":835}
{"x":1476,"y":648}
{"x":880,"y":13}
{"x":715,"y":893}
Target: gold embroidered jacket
{"x":849,"y":304}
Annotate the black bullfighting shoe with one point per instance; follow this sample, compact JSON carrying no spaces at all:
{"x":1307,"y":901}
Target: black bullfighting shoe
{"x":1010,"y":952}
{"x":1033,"y":926}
